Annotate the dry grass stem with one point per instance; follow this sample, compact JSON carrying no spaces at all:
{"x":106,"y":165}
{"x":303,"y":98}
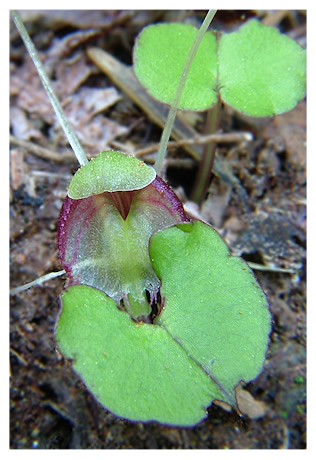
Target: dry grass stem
{"x":225,"y":138}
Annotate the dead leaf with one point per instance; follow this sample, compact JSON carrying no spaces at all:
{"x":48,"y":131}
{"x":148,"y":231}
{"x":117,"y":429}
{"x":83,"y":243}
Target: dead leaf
{"x":291,"y":126}
{"x":248,"y":405}
{"x":21,"y":126}
{"x":87,"y":102}
{"x":26,"y":85}
{"x":84,"y":19}
{"x":94,"y":130}
{"x":227,"y":407}
{"x":71,"y":74}
{"x":214,"y":207}
{"x":17,"y":168}
{"x":97,"y":135}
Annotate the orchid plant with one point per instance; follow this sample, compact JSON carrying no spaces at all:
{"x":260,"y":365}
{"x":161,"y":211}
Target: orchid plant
{"x":158,"y":319}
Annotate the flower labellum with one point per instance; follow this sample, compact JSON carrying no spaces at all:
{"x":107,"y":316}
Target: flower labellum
{"x":103,"y":238}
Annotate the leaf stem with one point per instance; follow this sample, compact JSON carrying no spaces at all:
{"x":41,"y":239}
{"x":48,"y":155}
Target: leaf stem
{"x":207,"y":161}
{"x":175,"y":105}
{"x":71,"y":136}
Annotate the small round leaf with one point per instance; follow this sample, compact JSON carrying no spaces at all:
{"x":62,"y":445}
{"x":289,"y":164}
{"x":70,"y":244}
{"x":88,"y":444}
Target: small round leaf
{"x":160,"y":53}
{"x":261,"y":71}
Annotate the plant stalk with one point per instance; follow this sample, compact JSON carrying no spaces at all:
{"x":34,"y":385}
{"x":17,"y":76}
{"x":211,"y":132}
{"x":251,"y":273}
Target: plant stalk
{"x":207,"y":161}
{"x":175,"y":105}
{"x":71,"y":136}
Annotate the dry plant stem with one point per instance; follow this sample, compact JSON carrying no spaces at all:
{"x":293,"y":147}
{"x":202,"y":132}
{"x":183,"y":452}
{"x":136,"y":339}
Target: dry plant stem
{"x":173,"y":109}
{"x":270,"y":268}
{"x":71,"y":136}
{"x":38,"y":281}
{"x":225,"y":138}
{"x":41,"y":152}
{"x":206,"y":164}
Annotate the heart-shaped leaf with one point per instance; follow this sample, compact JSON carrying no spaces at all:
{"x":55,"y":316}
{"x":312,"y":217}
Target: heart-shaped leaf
{"x":257,"y":70}
{"x":136,"y":370}
{"x":212,"y":332}
{"x":213,"y":305}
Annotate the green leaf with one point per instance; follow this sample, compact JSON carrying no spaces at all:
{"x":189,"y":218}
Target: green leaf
{"x":110,"y":171}
{"x":159,"y":56}
{"x":136,"y":370}
{"x":261,"y":71}
{"x":212,"y":332}
{"x":257,"y":70}
{"x":213,"y":305}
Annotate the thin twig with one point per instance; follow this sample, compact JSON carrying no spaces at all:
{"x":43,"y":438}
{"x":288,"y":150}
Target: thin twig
{"x":270,"y":268}
{"x":18,"y":356}
{"x":225,"y":138}
{"x":42,"y":152}
{"x":205,"y":169}
{"x":38,"y":281}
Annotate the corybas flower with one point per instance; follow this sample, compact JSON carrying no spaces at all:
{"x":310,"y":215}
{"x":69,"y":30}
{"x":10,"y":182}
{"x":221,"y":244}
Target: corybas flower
{"x":103,"y":238}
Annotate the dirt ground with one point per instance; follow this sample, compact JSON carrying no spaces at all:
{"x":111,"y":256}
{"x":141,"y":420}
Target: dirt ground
{"x":262,"y":218}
